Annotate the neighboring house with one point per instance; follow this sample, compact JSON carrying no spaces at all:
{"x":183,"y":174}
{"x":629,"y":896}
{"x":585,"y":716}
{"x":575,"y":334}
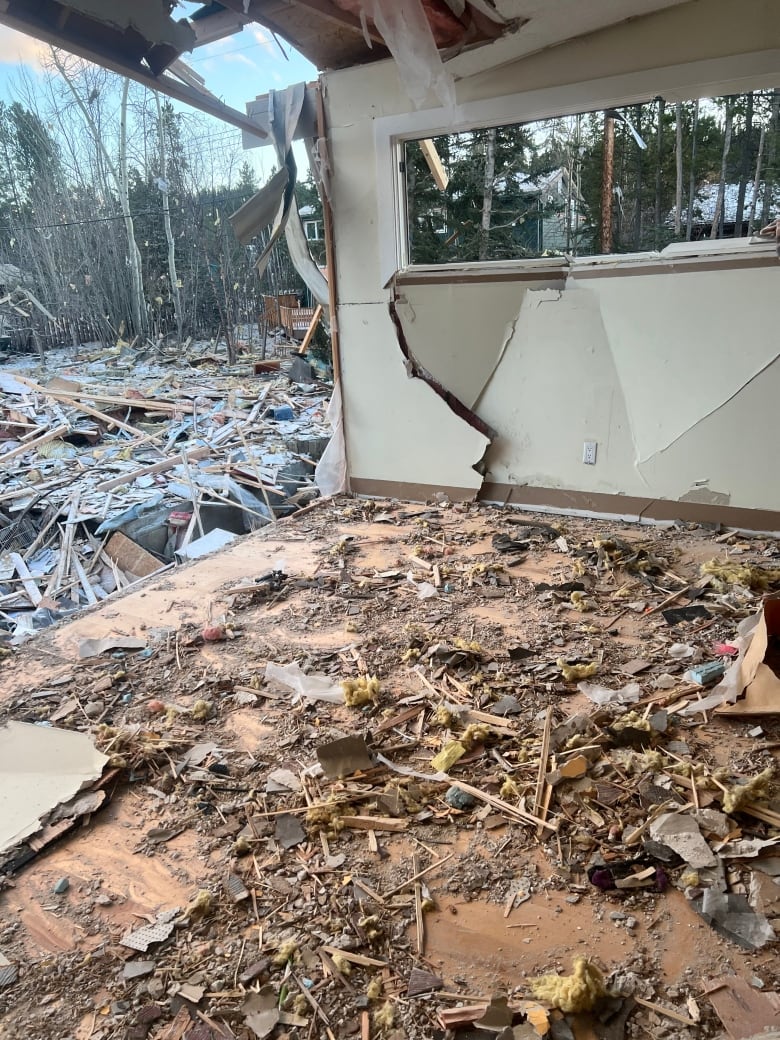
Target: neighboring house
{"x":312,"y":224}
{"x":705,"y":201}
{"x":559,"y":211}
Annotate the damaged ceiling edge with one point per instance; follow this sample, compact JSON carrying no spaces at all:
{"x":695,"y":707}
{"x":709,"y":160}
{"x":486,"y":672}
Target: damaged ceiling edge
{"x":456,"y":406}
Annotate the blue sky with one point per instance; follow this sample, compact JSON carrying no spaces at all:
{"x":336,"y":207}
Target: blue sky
{"x":236,"y":68}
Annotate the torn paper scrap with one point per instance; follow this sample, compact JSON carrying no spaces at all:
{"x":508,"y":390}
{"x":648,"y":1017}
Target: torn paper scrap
{"x":40,"y":768}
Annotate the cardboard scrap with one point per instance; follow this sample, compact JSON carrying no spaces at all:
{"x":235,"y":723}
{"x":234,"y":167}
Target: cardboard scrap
{"x":130,"y":557}
{"x":759,"y":672}
{"x":8,"y":971}
{"x":96,"y":647}
{"x":744,"y":1011}
{"x":345,"y":756}
{"x":40,"y":768}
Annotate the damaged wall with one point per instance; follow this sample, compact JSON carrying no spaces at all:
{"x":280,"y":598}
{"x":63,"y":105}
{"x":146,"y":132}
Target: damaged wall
{"x":663,"y":361}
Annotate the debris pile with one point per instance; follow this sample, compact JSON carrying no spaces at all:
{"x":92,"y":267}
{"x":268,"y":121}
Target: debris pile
{"x":143,"y":462}
{"x":475,"y":812}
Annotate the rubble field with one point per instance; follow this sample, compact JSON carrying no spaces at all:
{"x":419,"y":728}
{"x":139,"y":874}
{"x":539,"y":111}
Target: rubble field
{"x":382,"y":770}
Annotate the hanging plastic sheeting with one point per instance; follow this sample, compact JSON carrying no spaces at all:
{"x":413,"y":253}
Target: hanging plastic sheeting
{"x":275,"y":203}
{"x":330,"y":474}
{"x":409,"y":38}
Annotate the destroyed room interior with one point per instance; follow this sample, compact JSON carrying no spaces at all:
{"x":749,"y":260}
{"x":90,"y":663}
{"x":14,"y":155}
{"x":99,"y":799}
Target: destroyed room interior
{"x":389,"y":520}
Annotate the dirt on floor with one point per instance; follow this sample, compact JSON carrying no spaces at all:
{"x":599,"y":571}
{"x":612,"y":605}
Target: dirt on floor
{"x":312,"y":905}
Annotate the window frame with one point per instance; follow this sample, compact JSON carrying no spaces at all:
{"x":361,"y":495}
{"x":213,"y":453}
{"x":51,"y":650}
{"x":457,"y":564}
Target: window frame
{"x":712,"y":77}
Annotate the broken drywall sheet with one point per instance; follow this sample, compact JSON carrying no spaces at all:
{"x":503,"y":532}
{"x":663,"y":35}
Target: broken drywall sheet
{"x":555,"y":387}
{"x":40,"y":768}
{"x":681,"y":344}
{"x":399,"y":429}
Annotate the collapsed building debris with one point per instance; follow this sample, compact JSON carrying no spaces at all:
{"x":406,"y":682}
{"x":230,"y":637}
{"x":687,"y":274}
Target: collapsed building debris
{"x":353,"y":809}
{"x":139,"y":463}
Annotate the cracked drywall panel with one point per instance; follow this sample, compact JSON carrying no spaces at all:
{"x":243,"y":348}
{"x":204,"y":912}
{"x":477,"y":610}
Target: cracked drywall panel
{"x":398,"y":428}
{"x":457,"y":330}
{"x":684,"y":342}
{"x":555,"y":388}
{"x":733,"y":452}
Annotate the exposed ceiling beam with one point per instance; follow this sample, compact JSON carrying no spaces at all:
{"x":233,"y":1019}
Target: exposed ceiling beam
{"x":190,"y":95}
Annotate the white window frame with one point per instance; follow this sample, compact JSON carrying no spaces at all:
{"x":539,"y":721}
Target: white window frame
{"x":714,"y":77}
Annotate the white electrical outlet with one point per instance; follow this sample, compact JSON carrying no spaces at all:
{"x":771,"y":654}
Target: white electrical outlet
{"x":589,"y":453}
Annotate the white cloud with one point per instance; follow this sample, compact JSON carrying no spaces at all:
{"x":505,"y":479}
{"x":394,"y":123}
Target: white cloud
{"x":240,"y":59}
{"x":264,"y":40}
{"x":16,"y":47}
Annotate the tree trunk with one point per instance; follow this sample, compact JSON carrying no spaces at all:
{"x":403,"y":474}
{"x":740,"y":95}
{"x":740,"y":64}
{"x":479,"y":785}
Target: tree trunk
{"x":756,"y":182}
{"x":692,"y":178}
{"x":659,"y":174}
{"x":720,"y":198}
{"x":678,"y":159}
{"x":139,"y":310}
{"x":172,"y":276}
{"x":487,"y":194}
{"x":120,"y":179}
{"x":607,"y":183}
{"x":744,"y":168}
{"x":638,"y":187}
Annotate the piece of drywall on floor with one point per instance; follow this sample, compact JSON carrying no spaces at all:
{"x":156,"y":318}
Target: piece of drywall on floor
{"x":684,"y":342}
{"x":398,"y":429}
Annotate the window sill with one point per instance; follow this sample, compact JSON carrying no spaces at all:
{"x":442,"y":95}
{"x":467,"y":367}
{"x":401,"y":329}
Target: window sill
{"x":682,"y":256}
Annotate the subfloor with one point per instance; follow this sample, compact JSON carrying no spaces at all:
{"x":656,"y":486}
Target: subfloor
{"x":501,"y":901}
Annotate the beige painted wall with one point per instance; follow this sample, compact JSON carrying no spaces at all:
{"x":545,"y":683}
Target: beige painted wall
{"x":660,"y":369}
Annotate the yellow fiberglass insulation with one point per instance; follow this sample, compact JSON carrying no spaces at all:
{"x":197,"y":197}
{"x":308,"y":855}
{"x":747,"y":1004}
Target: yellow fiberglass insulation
{"x":575,"y":672}
{"x":580,"y":991}
{"x":580,"y":602}
{"x":739,"y":794}
{"x":727,"y":572}
{"x":475,"y":733}
{"x":384,"y":1017}
{"x":358,"y":692}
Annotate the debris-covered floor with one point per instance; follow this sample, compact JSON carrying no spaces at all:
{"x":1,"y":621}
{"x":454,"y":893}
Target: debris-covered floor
{"x":117,"y":462}
{"x":247,"y":876}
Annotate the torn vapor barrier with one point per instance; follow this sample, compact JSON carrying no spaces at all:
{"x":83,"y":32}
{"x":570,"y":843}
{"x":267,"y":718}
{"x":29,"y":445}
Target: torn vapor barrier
{"x":416,"y":371}
{"x":274,"y":205}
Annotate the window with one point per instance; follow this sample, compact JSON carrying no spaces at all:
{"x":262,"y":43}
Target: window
{"x":313,"y":230}
{"x":616,"y":181}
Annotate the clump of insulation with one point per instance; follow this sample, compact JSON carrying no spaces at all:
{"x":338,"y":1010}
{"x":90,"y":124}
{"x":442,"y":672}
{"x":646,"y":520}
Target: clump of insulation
{"x":580,"y":602}
{"x":360,"y":691}
{"x":384,"y":1017}
{"x":201,"y":710}
{"x":739,"y":794}
{"x":375,"y":988}
{"x":475,"y":733}
{"x":288,"y":951}
{"x":342,"y":964}
{"x":509,"y":788}
{"x":578,"y":992}
{"x":327,"y":817}
{"x":631,"y":720}
{"x":576,"y":672}
{"x":201,"y":906}
{"x":445,"y":716}
{"x":726,"y":572}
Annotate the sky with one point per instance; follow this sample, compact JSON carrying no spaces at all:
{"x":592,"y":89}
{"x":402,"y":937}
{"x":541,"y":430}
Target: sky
{"x":236,"y":69}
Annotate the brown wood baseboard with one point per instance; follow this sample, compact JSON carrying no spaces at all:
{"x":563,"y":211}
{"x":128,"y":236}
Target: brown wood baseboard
{"x":661,"y":509}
